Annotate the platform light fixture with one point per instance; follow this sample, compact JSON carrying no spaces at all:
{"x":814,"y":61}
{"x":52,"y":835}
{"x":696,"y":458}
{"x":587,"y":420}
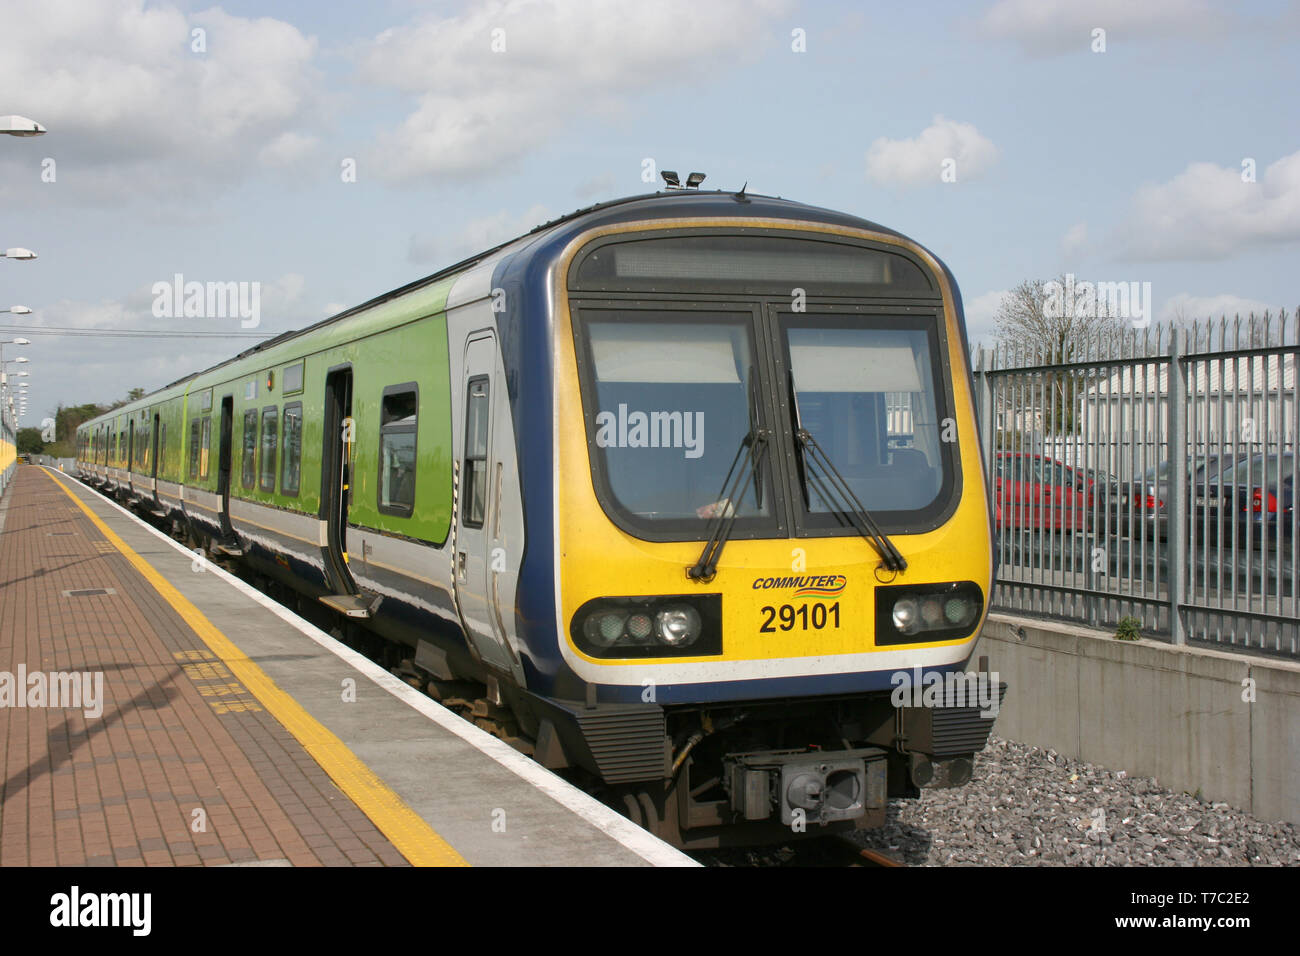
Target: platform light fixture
{"x":15,"y":125}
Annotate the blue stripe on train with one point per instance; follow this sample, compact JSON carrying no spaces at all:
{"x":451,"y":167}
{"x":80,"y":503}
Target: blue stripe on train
{"x":525,"y":332}
{"x":806,"y":686}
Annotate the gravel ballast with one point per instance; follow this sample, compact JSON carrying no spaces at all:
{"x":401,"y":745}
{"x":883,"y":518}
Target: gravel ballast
{"x":1026,"y":806}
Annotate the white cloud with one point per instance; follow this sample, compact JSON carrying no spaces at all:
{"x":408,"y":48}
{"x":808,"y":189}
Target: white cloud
{"x":1075,"y":240}
{"x":477,"y":235}
{"x":1207,"y":212}
{"x":128,"y":104}
{"x":921,"y":160}
{"x":1058,"y":26}
{"x":1184,"y":305}
{"x":476,"y":109}
{"x":981,"y":312}
{"x":287,"y":149}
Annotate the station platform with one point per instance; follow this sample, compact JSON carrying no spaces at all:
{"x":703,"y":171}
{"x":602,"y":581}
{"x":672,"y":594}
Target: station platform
{"x":155,"y":710}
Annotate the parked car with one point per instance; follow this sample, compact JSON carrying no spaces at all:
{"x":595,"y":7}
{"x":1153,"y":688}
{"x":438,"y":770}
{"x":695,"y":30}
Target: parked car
{"x":1253,"y":501}
{"x":1034,"y":492}
{"x":1142,"y":505}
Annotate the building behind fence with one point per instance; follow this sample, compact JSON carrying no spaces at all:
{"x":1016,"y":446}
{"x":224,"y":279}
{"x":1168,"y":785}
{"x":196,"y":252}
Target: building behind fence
{"x":1127,"y":541}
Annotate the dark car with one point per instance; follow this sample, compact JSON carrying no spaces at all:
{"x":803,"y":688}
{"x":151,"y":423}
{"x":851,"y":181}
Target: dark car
{"x":1142,"y":506}
{"x":1250,"y":503}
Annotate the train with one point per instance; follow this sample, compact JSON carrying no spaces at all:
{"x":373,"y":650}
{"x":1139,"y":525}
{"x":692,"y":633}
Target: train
{"x":674,"y":493}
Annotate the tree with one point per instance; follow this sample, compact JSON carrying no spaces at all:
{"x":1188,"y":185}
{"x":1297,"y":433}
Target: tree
{"x":135,"y":394}
{"x":1052,"y":321}
{"x":67,"y":419}
{"x":29,"y":441}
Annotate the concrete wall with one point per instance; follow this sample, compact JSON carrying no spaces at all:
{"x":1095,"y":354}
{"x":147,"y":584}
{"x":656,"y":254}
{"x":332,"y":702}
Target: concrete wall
{"x":1173,"y":713}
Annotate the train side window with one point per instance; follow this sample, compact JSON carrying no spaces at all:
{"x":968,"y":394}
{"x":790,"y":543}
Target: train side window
{"x":204,"y":446}
{"x":291,"y":468}
{"x":270,"y":444}
{"x":248,"y":469}
{"x":162,"y":447}
{"x":476,"y":442}
{"x":397,"y":441}
{"x":194,"y":448}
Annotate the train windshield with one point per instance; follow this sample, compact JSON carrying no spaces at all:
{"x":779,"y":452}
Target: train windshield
{"x":673,"y":399}
{"x":670,"y":404}
{"x":865,"y":391}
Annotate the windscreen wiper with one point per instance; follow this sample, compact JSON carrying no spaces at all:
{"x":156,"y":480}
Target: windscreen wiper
{"x":752,"y":447}
{"x":836,"y":492}
{"x":728,"y":505}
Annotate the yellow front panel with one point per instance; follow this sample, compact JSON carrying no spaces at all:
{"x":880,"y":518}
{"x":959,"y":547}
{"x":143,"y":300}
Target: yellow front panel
{"x":598,"y":559}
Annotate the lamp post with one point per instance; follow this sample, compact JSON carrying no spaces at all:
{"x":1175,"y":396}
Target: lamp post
{"x":15,"y":125}
{"x":4,"y":378}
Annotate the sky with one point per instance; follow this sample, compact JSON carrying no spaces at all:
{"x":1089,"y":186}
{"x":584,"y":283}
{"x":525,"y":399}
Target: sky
{"x":330,"y":152}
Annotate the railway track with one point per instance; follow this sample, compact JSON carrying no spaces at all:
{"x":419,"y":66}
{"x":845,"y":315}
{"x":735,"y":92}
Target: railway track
{"x":829,"y":851}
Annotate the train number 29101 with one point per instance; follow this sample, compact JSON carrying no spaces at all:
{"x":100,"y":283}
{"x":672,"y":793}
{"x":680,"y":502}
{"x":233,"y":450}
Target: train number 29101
{"x":817,"y":616}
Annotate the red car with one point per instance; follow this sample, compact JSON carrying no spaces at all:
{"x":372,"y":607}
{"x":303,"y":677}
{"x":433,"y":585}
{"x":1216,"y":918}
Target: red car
{"x":1034,"y":492}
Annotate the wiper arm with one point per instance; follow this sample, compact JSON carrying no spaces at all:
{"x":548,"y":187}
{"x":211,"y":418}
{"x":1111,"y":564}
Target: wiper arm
{"x":842,"y":497}
{"x":839,"y":495}
{"x":721,"y":522}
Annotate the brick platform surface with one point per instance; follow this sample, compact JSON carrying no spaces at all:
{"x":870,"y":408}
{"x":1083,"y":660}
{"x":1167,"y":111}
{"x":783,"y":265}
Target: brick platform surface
{"x":183,"y":766}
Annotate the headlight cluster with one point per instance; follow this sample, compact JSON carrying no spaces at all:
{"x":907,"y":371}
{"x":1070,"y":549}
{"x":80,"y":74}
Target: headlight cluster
{"x":926,"y":612}
{"x":649,"y":627}
{"x":676,"y":626}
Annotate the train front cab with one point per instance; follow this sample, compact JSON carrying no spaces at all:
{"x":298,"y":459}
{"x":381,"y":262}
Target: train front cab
{"x":742,"y":390}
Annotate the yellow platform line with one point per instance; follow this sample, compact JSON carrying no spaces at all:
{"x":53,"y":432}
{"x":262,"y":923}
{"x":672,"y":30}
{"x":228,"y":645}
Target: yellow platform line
{"x":404,"y":828}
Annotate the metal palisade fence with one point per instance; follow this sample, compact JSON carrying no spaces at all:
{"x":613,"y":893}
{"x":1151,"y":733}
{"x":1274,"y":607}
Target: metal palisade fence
{"x":1150,"y":473}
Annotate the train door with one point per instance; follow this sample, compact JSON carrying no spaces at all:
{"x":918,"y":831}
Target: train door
{"x":153,"y":458}
{"x":478,"y":553}
{"x":336,"y":496}
{"x":158,"y":445}
{"x":229,"y":542}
